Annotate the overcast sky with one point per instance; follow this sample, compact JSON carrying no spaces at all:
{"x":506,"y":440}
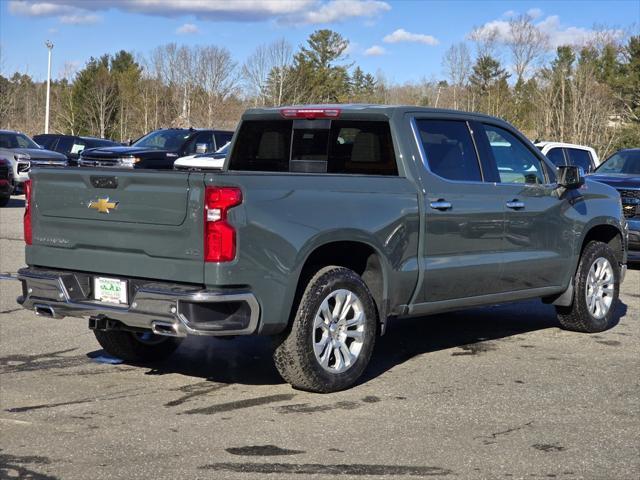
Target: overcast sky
{"x":404,"y":39}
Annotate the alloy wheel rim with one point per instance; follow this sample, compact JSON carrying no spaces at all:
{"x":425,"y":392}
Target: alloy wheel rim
{"x":338,"y":331}
{"x":600,"y":288}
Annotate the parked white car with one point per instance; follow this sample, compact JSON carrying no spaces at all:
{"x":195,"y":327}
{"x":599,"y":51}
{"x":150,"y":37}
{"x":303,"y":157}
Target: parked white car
{"x":570,"y":154}
{"x":203,"y":161}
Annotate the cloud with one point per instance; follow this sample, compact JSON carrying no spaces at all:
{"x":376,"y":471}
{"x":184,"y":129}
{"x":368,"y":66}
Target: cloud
{"x":284,"y":11}
{"x":562,"y":35}
{"x":340,"y":11}
{"x":79,"y":19}
{"x":509,"y":13}
{"x":39,"y":9}
{"x":375,"y":51}
{"x":534,"y":13}
{"x":187,"y":29}
{"x":401,"y":35}
{"x":557,"y":33}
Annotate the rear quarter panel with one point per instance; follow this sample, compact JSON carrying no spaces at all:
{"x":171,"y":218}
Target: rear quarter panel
{"x":285,"y":217}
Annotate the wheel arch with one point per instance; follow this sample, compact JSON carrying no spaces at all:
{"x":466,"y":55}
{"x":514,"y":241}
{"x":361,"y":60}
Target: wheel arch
{"x":359,"y":255}
{"x":598,"y":230}
{"x":605,"y":233}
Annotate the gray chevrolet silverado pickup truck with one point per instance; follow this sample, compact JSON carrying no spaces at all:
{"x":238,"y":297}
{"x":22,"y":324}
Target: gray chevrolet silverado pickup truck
{"x":325,"y":222}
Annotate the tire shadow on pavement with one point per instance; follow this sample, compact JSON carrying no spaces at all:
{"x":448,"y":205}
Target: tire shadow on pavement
{"x":474,"y":331}
{"x":248,"y":360}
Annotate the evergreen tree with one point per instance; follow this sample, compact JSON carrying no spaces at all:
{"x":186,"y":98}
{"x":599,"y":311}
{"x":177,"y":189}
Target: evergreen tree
{"x":320,"y":76}
{"x":489,"y":84}
{"x":487,"y":73}
{"x":362,"y":86}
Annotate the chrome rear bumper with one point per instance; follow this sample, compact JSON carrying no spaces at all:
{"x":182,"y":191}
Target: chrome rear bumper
{"x":165,"y":308}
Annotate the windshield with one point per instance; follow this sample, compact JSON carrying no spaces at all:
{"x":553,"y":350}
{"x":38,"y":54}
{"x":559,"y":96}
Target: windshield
{"x":625,"y":162}
{"x":164,"y":139}
{"x":16,"y":140}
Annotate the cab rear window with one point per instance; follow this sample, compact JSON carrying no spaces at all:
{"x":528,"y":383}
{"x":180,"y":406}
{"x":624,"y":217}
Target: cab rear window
{"x":315,"y":146}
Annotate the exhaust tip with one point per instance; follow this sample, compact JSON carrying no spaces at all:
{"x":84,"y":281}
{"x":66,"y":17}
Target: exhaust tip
{"x":167,"y":329}
{"x":44,"y":311}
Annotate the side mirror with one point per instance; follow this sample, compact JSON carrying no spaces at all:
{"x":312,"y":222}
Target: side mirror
{"x":570,"y":176}
{"x":201,"y":148}
{"x":130,"y":142}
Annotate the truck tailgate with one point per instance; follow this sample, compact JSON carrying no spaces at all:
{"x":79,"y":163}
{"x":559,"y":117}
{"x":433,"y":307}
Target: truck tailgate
{"x":141,"y":224}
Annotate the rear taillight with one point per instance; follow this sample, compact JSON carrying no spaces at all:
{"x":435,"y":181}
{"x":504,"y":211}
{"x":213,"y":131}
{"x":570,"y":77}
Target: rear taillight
{"x":28,"y":192}
{"x":219,"y":236}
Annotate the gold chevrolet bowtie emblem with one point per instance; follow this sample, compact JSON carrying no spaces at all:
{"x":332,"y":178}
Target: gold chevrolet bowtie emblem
{"x":103,"y":205}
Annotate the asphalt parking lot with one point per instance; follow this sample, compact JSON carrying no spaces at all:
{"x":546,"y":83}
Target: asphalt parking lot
{"x":496,"y":392}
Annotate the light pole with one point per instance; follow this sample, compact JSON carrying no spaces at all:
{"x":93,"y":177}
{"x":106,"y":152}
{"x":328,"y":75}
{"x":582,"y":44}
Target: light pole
{"x":46,"y":115}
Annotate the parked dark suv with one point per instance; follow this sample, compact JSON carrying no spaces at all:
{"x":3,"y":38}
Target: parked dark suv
{"x":72,"y":145}
{"x":622,"y":171}
{"x":158,"y":149}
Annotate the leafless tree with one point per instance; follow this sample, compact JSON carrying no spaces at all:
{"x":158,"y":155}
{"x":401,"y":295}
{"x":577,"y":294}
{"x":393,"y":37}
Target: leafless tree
{"x":457,"y":67}
{"x":486,"y":40}
{"x":526,"y":43}
{"x":216,"y":75}
{"x":7,"y":97}
{"x":102,"y":101}
{"x":266,"y":72}
{"x":255,"y":74}
{"x":281,"y":57}
{"x":65,"y":114}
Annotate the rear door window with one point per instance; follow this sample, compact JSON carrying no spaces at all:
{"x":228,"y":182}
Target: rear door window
{"x":556,"y":156}
{"x":515,"y":162}
{"x":315,"y":146}
{"x":580,"y":158}
{"x":449,"y":149}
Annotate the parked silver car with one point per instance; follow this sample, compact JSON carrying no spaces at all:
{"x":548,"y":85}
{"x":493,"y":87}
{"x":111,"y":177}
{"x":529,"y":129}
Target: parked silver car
{"x":23,"y":153}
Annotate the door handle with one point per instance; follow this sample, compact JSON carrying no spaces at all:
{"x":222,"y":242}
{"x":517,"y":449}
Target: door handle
{"x":440,"y":205}
{"x":515,"y":204}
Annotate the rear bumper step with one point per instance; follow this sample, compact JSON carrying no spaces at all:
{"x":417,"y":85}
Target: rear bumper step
{"x":167,"y":309}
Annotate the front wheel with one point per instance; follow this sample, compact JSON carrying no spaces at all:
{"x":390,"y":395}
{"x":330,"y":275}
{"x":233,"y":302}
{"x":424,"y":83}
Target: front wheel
{"x":596,"y":290}
{"x":136,"y":347}
{"x":333,"y":333}
{"x":4,"y":201}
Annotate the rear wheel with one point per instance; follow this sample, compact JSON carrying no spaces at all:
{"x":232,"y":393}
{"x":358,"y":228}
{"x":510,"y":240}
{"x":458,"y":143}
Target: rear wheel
{"x":596,"y":289}
{"x":333,"y":333}
{"x":136,"y":347}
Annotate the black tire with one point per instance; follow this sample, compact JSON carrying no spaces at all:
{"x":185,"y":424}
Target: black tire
{"x":294,"y":356}
{"x":136,"y":347}
{"x":4,"y":201}
{"x":578,"y":317}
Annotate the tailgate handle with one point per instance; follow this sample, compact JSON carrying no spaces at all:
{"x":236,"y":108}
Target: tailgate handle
{"x":104,"y":182}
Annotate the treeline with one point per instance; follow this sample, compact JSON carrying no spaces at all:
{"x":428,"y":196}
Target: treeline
{"x":588,"y":94}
